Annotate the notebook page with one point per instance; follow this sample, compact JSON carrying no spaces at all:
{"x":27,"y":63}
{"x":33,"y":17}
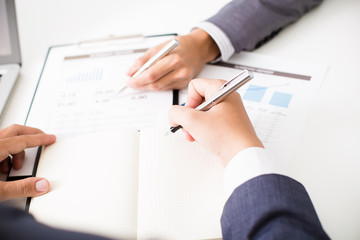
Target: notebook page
{"x":93,"y":184}
{"x":181,"y":192}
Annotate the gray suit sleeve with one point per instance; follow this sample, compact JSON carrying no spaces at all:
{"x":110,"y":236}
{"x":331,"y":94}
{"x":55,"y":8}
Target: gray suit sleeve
{"x":271,"y":206}
{"x":249,"y":23}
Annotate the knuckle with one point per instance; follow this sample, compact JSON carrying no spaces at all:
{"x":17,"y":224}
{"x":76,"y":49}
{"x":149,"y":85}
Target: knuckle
{"x":134,"y":84}
{"x":137,"y":63}
{"x":21,"y":188}
{"x":185,"y":73}
{"x":154,"y":86}
{"x":4,"y":153}
{"x":151,"y":51}
{"x":4,"y":190}
{"x":150,"y":77}
{"x":22,"y":142}
{"x":182,"y":85}
{"x":14,"y":126}
{"x":140,"y":61}
{"x":176,"y":59}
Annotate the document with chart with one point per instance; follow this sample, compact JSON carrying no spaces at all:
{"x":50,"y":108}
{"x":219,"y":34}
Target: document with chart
{"x":77,"y":92}
{"x":278,"y":99}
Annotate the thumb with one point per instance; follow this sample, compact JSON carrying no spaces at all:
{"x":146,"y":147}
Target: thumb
{"x":186,"y":117}
{"x":29,"y":187}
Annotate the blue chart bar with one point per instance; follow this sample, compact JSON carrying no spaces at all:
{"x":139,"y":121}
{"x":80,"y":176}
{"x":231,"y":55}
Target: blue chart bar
{"x":255,"y":93}
{"x":281,"y":99}
{"x":95,"y":75}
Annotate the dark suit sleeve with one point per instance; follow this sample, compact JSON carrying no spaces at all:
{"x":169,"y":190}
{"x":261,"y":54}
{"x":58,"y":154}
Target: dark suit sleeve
{"x":17,"y":225}
{"x":249,"y":23}
{"x":271,"y":207}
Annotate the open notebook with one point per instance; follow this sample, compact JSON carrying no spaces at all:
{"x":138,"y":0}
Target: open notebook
{"x":127,"y":183}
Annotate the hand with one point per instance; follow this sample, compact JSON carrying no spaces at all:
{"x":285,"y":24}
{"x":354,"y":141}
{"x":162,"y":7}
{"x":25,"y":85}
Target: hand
{"x":225,"y":129}
{"x":176,"y":69}
{"x":13,"y":140}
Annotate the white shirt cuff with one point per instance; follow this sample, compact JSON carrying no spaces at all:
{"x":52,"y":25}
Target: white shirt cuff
{"x":245,"y":165}
{"x":220,"y":38}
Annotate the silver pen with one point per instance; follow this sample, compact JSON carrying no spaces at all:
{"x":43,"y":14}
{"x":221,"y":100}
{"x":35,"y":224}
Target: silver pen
{"x":225,"y":90}
{"x":165,"y":50}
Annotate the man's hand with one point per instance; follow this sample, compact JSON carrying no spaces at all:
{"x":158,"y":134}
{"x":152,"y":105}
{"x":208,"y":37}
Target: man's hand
{"x":225,"y":129}
{"x":13,"y":141}
{"x":176,"y":69}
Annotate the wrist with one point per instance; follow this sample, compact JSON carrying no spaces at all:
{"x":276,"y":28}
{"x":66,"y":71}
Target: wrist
{"x":206,"y":44}
{"x":237,"y":147}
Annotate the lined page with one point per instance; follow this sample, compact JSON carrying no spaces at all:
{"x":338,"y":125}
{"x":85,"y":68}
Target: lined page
{"x":181,"y":192}
{"x":93,"y":184}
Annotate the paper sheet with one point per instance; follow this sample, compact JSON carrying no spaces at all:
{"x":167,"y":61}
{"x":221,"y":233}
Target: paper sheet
{"x":78,"y":92}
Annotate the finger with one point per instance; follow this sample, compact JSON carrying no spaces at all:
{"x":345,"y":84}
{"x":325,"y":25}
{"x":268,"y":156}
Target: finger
{"x":188,"y":135}
{"x":143,"y":59}
{"x":16,"y":129}
{"x":177,"y":79}
{"x":202,"y":88}
{"x":177,"y":117}
{"x":17,"y":160}
{"x":186,"y":117}
{"x":14,"y":145}
{"x":158,"y":70}
{"x":5,"y":165}
{"x":29,"y":187}
{"x":138,"y":63}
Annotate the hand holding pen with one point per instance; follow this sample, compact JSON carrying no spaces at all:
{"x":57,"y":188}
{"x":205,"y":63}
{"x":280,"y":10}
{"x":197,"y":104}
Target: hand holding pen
{"x":165,"y":50}
{"x":224,"y":130}
{"x":225,"y":90}
{"x":177,"y":68}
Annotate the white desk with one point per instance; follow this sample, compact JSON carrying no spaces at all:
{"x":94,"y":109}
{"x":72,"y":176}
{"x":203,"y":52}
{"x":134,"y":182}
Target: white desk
{"x":327,"y":159}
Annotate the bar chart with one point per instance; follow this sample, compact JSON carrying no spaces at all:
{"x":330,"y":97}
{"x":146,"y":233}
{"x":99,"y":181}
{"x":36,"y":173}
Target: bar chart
{"x":256,"y":93}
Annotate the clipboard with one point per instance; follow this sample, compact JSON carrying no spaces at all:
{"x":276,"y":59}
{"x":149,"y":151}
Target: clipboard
{"x":89,"y":49}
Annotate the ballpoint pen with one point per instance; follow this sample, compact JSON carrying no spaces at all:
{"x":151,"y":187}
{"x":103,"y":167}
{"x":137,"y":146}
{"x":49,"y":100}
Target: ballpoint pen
{"x":165,"y":50}
{"x":226,"y":89}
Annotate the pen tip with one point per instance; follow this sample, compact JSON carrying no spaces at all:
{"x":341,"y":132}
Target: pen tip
{"x":168,"y":133}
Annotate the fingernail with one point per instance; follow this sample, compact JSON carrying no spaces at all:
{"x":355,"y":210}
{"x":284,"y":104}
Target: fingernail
{"x":52,"y":137}
{"x":42,"y":185}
